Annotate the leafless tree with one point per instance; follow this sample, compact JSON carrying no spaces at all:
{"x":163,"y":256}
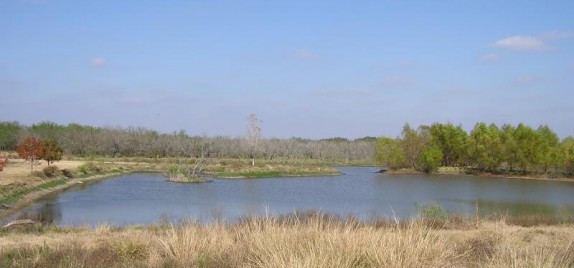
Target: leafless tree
{"x":114,"y":142}
{"x":200,"y":151}
{"x":253,"y":135}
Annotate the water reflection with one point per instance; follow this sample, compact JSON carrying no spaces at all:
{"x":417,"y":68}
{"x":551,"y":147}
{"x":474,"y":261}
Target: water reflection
{"x":44,"y":212}
{"x":489,"y":207}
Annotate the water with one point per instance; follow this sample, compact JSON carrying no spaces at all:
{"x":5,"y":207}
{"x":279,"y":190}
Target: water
{"x":148,"y":198}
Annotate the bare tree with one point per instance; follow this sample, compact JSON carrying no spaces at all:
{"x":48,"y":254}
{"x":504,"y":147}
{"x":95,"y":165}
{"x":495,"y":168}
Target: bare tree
{"x":253,"y":135}
{"x":140,"y":142}
{"x":201,"y":160}
{"x":186,"y":172}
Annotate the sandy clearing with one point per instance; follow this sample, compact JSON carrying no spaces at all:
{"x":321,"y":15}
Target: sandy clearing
{"x":18,"y":170}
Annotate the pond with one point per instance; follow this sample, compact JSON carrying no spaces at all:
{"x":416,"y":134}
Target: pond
{"x":148,"y":198}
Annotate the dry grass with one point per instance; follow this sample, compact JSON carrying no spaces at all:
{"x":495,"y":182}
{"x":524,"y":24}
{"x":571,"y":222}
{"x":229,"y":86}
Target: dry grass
{"x":16,"y":178}
{"x":312,"y":241}
{"x":18,"y":170}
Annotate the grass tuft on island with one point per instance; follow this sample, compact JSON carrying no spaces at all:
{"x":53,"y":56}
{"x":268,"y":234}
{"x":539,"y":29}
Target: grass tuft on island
{"x":185,"y":179}
{"x":269,"y":170}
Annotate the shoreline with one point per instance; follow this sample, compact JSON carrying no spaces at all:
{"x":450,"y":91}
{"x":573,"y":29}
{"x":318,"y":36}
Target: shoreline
{"x":283,"y":175}
{"x":29,"y":198}
{"x":484,"y":175}
{"x":518,"y":177}
{"x":32,"y":196}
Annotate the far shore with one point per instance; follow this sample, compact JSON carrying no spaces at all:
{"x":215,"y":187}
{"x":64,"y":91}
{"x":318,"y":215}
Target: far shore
{"x":510,"y":176}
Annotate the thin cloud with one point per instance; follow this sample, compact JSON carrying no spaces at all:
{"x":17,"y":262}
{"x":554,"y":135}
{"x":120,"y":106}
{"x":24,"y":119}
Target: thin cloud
{"x":525,"y":80}
{"x":555,"y":35}
{"x":36,"y":2}
{"x":490,"y":57}
{"x":342,"y":93}
{"x":362,"y":91}
{"x":13,"y":82}
{"x":133,"y":100}
{"x":304,"y":54}
{"x":519,"y":42}
{"x":538,"y":42}
{"x":458,"y":91}
{"x":327,"y":93}
{"x":405,"y":64}
{"x":98,"y":62}
{"x":395,"y":80}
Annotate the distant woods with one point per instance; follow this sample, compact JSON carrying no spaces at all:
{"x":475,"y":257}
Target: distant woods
{"x":487,"y":148}
{"x":86,"y":141}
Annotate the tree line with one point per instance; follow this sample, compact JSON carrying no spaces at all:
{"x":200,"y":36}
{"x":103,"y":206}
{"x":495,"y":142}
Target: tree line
{"x":85,"y":141}
{"x":487,"y":148}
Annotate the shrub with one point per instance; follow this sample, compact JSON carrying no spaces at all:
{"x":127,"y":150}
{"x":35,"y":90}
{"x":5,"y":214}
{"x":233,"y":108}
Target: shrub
{"x":51,"y":171}
{"x":89,"y":168}
{"x":67,"y":173}
{"x":39,"y":174}
{"x":432,"y":214}
{"x":130,"y":250}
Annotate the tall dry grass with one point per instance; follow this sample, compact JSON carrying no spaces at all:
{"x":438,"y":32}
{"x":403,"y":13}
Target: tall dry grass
{"x":306,"y":241}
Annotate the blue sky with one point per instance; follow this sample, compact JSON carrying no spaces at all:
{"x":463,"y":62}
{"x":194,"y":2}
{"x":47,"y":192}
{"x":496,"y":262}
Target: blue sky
{"x":310,"y":69}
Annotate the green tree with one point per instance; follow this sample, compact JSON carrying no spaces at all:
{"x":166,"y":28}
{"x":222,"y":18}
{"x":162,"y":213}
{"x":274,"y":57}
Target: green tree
{"x":430,"y":158}
{"x":549,"y":147}
{"x":509,"y":146}
{"x":9,"y":132}
{"x":53,"y":151}
{"x":486,"y":146}
{"x":567,"y":155}
{"x":390,"y":153}
{"x":412,"y":144}
{"x":529,"y":147}
{"x":453,"y":143}
{"x":46,"y":130}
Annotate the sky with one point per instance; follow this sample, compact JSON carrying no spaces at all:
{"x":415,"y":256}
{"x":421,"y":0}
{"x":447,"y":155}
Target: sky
{"x":311,"y":69}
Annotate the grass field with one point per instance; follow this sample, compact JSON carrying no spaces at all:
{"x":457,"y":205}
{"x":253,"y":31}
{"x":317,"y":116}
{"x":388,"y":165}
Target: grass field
{"x":18,"y":170}
{"x":311,"y":240}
